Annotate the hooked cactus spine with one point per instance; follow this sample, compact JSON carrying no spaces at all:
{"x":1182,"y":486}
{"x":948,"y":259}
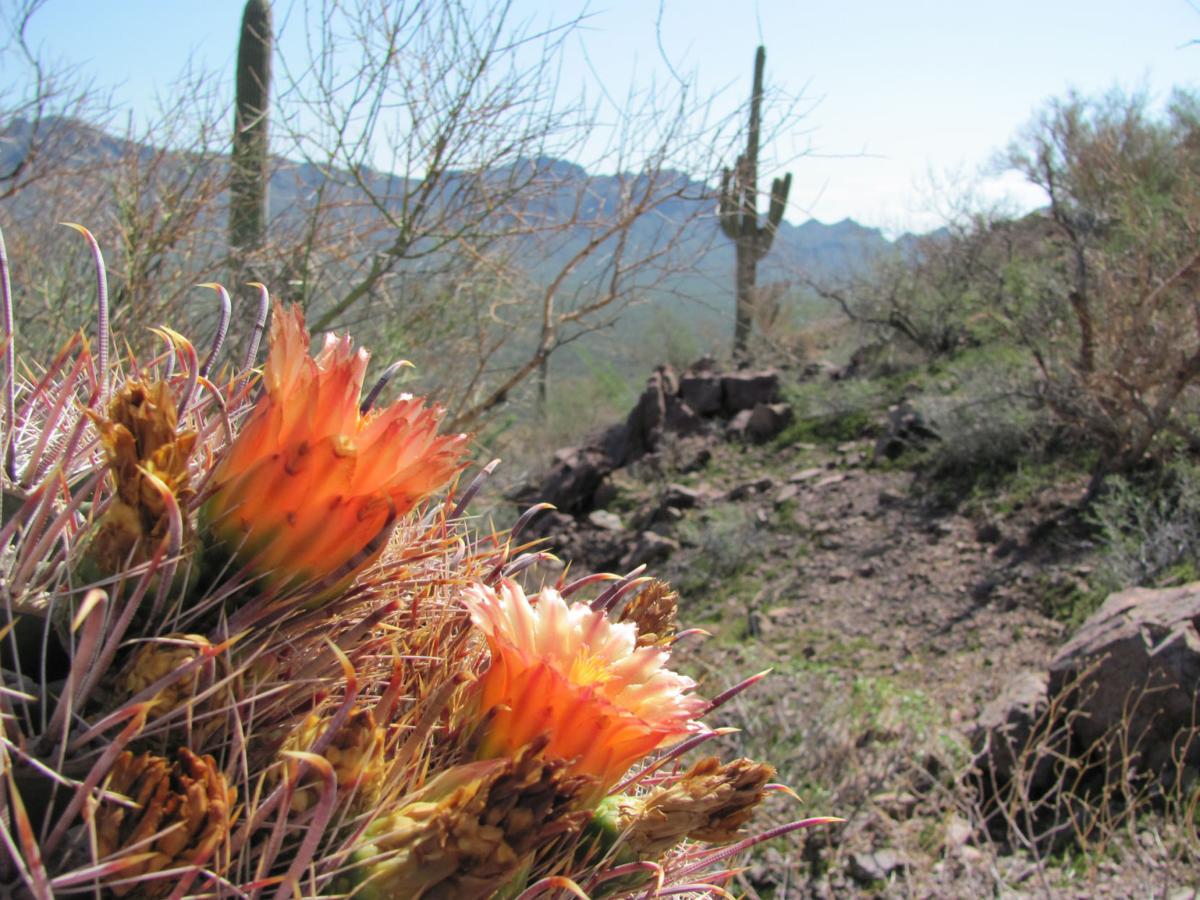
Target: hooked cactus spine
{"x":738,"y":213}
{"x":248,"y":188}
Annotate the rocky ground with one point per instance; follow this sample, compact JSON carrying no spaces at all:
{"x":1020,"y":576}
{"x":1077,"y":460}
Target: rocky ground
{"x":890,"y":616}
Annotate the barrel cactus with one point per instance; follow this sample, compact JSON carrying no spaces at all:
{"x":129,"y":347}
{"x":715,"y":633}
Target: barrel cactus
{"x":252,"y":645}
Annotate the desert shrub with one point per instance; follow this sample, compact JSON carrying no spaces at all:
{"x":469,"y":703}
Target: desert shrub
{"x":990,"y":422}
{"x":1151,"y":527}
{"x":1106,"y":301}
{"x":933,"y":295}
{"x":983,"y":434}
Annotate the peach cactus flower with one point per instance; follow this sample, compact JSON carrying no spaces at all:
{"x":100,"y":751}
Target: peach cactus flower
{"x":311,"y":486}
{"x":579,"y":679}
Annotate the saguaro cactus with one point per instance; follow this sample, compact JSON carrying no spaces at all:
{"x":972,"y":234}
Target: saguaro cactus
{"x":248,"y":187}
{"x":738,"y":213}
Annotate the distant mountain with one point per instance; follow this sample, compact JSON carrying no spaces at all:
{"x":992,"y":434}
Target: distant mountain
{"x":810,"y":249}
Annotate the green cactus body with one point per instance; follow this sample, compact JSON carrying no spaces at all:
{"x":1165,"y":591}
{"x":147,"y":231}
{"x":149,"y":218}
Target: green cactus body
{"x":738,"y":213}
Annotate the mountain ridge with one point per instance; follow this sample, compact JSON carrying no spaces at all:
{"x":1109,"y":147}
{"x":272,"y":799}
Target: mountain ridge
{"x":818,"y":247}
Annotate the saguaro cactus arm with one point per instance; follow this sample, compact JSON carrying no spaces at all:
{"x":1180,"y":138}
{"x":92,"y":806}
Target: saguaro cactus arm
{"x":765,"y":234}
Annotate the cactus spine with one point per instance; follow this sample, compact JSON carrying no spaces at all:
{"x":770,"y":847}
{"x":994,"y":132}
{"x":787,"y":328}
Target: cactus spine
{"x":248,"y":186}
{"x":738,"y":213}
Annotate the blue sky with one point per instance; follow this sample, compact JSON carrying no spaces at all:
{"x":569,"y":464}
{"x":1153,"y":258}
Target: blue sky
{"x":905,"y":101}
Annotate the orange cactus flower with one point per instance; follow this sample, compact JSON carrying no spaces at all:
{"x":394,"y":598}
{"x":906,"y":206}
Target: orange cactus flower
{"x":570,"y":674}
{"x":311,"y":487}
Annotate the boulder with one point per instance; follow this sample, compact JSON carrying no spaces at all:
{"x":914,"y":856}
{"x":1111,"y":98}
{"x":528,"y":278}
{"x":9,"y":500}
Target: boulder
{"x":650,"y":548}
{"x":1133,"y":671}
{"x":746,"y":390}
{"x":596,"y":549}
{"x":1119,"y":705}
{"x":680,"y":419}
{"x":692,"y":453}
{"x":641,"y":430}
{"x":572,"y":481}
{"x":1001,"y":736}
{"x":701,"y":391}
{"x":760,"y":424}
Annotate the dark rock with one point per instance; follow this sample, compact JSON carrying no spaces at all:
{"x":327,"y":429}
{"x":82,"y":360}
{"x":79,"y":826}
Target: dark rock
{"x":890,"y":499}
{"x":821,"y":368}
{"x":988,"y":533}
{"x":1006,"y":546}
{"x":738,"y":425}
{"x":668,"y":514}
{"x":746,"y":390}
{"x":1002,"y":734}
{"x":639,"y":435}
{"x":702,"y":392}
{"x":703,"y":365}
{"x":750,"y":488}
{"x":605,"y":493}
{"x":760,"y":424}
{"x":679,"y":496}
{"x":690,"y":454}
{"x":766,"y":421}
{"x":551,"y":523}
{"x":650,"y":548}
{"x":572,"y":481}
{"x":755,"y":624}
{"x":680,"y":419}
{"x":596,"y":549}
{"x":1117,"y":708}
{"x":984,"y":588}
{"x":862,"y":361}
{"x":906,"y":429}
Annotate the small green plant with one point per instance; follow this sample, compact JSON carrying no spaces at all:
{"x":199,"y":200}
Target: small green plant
{"x":1068,"y":600}
{"x":834,"y":412}
{"x":722,"y":534}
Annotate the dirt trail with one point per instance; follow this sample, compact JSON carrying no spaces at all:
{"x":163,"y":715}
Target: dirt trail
{"x":888,"y":625}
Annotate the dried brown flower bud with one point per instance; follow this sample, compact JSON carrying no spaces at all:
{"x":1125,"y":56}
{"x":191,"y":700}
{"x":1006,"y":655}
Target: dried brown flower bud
{"x":140,"y":435}
{"x":710,"y":802}
{"x":653,"y":611}
{"x":471,"y":828}
{"x":153,"y":660}
{"x":356,"y":754}
{"x":187,"y":804}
